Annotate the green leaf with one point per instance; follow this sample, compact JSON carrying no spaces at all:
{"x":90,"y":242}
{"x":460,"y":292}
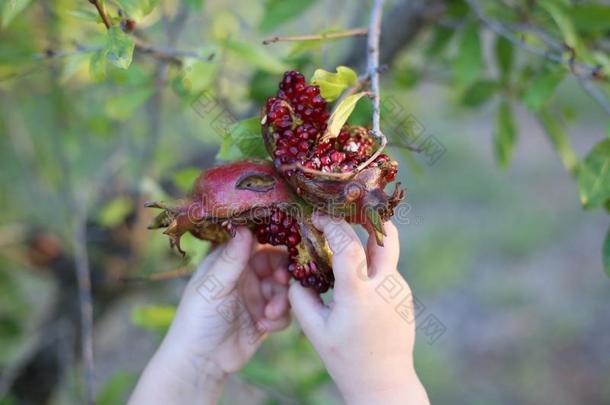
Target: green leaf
{"x":97,"y":65}
{"x":440,"y":39}
{"x":593,"y":176}
{"x":559,"y":139}
{"x":506,"y":134}
{"x":85,"y":14}
{"x":117,"y":389}
{"x":11,"y":9}
{"x":256,"y":55}
{"x":138,"y":9}
{"x":184,"y":178}
{"x":153,"y":317}
{"x":468,"y":63}
{"x":123,"y":106}
{"x":195,"y":5}
{"x":243,"y":141}
{"x":479,"y":93}
{"x":591,"y":17}
{"x":542,"y":88}
{"x":606,"y":253}
{"x":341,"y":114}
{"x":561,"y":18}
{"x":504,"y":57}
{"x":114,"y":212}
{"x":198,"y":75}
{"x":119,"y":48}
{"x":278,"y":12}
{"x":332,"y":84}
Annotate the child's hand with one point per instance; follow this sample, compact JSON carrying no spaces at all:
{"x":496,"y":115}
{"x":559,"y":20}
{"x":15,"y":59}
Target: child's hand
{"x":364,"y":343}
{"x":231,"y":302}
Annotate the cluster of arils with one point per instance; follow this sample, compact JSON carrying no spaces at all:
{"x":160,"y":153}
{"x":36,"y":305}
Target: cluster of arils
{"x":281,"y":228}
{"x":311,"y":170}
{"x":294,"y":124}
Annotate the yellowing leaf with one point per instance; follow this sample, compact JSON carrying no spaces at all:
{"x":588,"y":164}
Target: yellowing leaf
{"x":341,"y":114}
{"x":153,"y":317}
{"x":332,"y":84}
{"x":115,"y":211}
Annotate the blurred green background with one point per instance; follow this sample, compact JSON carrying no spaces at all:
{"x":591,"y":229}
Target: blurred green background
{"x":505,"y":263}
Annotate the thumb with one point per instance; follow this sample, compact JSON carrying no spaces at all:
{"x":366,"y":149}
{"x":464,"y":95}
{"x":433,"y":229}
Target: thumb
{"x":233,"y":259}
{"x":308,"y":309}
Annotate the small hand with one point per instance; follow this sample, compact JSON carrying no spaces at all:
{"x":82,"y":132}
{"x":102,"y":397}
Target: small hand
{"x":237,"y":296}
{"x":366,"y":346}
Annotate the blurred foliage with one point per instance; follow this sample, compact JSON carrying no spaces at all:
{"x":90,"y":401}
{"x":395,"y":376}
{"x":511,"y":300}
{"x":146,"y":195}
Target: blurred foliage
{"x":98,"y":120}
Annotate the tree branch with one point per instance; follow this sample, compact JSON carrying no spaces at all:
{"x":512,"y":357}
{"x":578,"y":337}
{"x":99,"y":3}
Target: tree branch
{"x":400,"y":27}
{"x":318,"y":37}
{"x":583,"y":72}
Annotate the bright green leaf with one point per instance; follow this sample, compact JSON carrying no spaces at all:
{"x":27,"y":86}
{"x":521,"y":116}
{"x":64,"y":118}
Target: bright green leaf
{"x":606,"y":253}
{"x":184,"y":178}
{"x":506,"y":134}
{"x":278,"y":12}
{"x":468,"y":63}
{"x":256,"y":55}
{"x":591,"y":17}
{"x":332,"y":84}
{"x":341,"y":114}
{"x":114,"y":212}
{"x":504,"y":57}
{"x":153,"y":317}
{"x":119,"y":47}
{"x":10,"y":10}
{"x":97,"y":65}
{"x":542,"y":88}
{"x":479,"y":93}
{"x":243,"y":140}
{"x":593,"y":176}
{"x":124,"y":105}
{"x":559,"y":139}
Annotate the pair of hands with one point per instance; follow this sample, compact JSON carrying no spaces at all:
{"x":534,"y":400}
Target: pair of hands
{"x":241,"y":292}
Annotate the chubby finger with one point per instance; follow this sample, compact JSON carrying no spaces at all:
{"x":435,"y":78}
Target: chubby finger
{"x":384,"y":259}
{"x":277,"y":299}
{"x":308,"y":309}
{"x":267,"y":260}
{"x":233,"y":258}
{"x":274,"y":325}
{"x":349,"y":258}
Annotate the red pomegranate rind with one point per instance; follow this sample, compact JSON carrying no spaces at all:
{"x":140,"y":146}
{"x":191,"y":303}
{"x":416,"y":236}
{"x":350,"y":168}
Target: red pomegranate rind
{"x":231,"y":189}
{"x":251,"y":194}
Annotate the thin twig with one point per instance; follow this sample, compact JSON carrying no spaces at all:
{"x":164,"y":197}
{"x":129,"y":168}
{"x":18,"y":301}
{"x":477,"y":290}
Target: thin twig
{"x":373,"y":73}
{"x":583,"y":72}
{"x":164,"y":53}
{"x":317,"y":37}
